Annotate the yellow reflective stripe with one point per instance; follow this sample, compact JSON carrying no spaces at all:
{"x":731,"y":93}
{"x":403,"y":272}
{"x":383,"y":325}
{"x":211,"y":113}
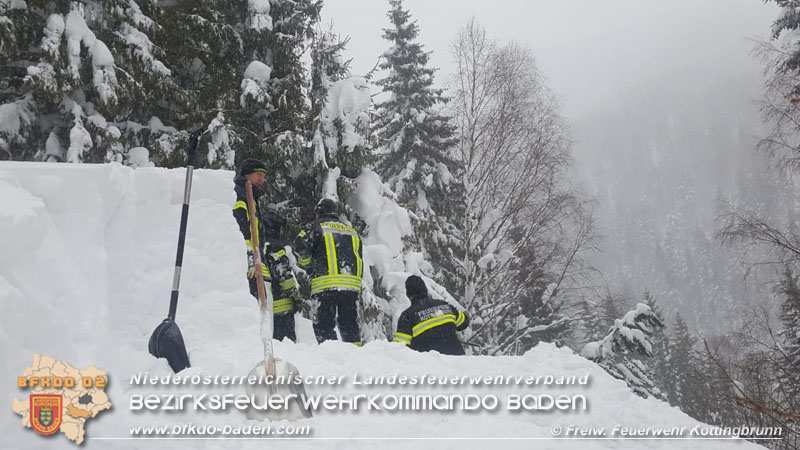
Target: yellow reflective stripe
{"x":326,"y":237}
{"x":302,"y":233}
{"x":265,"y":271}
{"x":402,"y":337}
{"x":304,"y":261}
{"x":347,"y":286}
{"x":282,"y":305}
{"x":460,"y":319}
{"x":335,"y":259}
{"x":356,"y":343}
{"x":434,"y":322}
{"x":340,"y":227}
{"x":279,"y":253}
{"x":359,"y":264}
{"x":330,"y":251}
{"x":288,"y":284}
{"x":240,"y":205}
{"x":249,"y":244}
{"x":336,"y":281}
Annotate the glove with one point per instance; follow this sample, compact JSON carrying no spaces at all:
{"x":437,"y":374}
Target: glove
{"x":297,"y":302}
{"x":251,"y":265}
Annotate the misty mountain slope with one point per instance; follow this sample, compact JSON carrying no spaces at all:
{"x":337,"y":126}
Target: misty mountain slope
{"x":86,"y":255}
{"x":658,"y":161}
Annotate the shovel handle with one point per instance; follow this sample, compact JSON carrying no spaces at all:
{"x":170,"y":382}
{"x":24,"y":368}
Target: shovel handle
{"x":251,"y":211}
{"x":264,"y":302}
{"x":176,"y":277}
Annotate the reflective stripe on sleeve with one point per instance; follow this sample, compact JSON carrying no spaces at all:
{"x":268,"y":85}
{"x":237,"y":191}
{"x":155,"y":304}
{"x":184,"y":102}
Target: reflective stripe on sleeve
{"x":282,"y":305}
{"x":434,"y":322}
{"x":402,"y":337}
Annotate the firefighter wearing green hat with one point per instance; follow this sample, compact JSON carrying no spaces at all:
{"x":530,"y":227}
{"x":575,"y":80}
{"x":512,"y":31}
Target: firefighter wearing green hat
{"x":275,"y":266}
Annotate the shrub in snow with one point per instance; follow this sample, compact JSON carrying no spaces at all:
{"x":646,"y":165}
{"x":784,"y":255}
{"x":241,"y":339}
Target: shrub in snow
{"x":626,"y":338}
{"x":139,"y":157}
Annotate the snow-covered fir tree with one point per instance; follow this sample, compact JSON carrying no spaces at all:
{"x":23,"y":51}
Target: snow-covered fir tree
{"x":74,"y":74}
{"x":589,"y":327}
{"x":790,"y":333}
{"x":414,"y":142}
{"x":327,"y":66}
{"x":220,"y":56}
{"x":340,"y":142}
{"x":680,"y":388}
{"x":620,"y":350}
{"x":284,"y":147}
{"x":340,"y":111}
{"x":659,"y":362}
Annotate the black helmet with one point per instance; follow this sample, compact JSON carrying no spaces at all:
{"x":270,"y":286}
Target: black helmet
{"x":415,"y":287}
{"x":252,"y":165}
{"x":326,"y":206}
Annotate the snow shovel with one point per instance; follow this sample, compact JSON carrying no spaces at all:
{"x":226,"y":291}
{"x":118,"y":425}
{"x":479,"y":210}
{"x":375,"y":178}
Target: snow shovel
{"x":167,"y":340}
{"x":278,"y":378}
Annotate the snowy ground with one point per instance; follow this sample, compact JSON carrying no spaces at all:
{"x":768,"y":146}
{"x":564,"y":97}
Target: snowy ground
{"x":86,"y":254}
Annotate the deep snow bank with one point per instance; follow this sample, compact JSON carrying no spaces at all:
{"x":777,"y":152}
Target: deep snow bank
{"x":86,"y":254}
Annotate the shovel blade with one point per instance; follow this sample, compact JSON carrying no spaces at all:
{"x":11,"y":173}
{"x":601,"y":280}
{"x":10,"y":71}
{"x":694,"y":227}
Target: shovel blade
{"x":284,"y":384}
{"x":167,"y":342}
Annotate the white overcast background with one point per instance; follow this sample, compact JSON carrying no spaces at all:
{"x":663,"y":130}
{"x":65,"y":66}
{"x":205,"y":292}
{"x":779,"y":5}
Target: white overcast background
{"x":591,"y":52}
{"x":659,"y":95}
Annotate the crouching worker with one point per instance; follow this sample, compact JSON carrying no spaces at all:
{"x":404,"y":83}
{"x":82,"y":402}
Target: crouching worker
{"x":275,"y":269}
{"x":429,"y":324}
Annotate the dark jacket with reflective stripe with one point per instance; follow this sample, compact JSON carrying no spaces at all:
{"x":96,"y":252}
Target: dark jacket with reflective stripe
{"x":275,"y":263}
{"x":332,"y":250}
{"x":240,"y":212}
{"x":430,"y":324}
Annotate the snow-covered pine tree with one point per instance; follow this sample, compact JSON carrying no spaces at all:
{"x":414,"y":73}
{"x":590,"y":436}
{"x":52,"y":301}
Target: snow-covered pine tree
{"x":340,"y":141}
{"x":659,"y":362}
{"x":284,"y":147}
{"x":680,"y":387}
{"x":781,"y":54}
{"x":590,"y":326}
{"x":790,"y":334}
{"x":611,"y":307}
{"x":74,"y":72}
{"x":20,"y":47}
{"x":218,"y":55}
{"x":340,"y":112}
{"x":414,"y":148}
{"x":617,"y":352}
{"x":327,"y":67}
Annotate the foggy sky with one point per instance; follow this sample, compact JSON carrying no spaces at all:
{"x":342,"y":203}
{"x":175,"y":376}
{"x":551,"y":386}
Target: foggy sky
{"x":592,"y":52}
{"x":661,"y":101}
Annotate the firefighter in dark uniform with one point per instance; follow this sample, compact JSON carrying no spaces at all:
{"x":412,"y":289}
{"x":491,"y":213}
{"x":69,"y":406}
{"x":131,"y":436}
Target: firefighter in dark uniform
{"x":429,"y":324}
{"x":331,"y":251}
{"x":275,"y":267}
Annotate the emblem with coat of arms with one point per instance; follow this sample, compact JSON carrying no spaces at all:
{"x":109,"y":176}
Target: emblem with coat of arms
{"x":46,"y":413}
